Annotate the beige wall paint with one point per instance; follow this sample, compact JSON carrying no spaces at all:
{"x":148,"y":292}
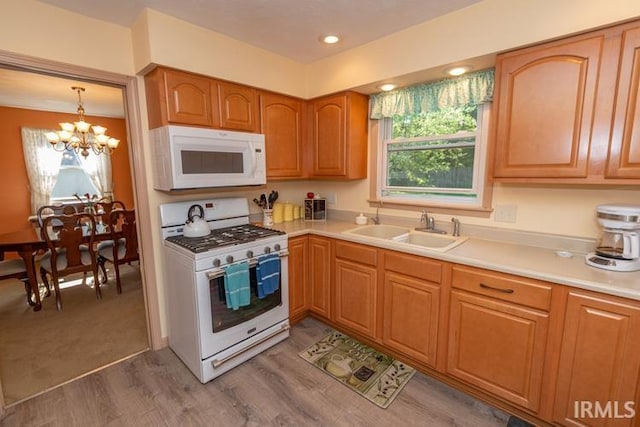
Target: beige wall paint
{"x":36,"y":29}
{"x":483,"y":28}
{"x":178,"y":44}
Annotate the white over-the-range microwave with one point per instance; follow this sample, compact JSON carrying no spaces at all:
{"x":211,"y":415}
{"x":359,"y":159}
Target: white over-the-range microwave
{"x":186,"y":157}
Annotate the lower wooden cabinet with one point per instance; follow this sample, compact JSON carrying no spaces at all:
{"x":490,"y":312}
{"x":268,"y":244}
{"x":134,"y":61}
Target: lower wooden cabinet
{"x":411,"y":307}
{"x":320,"y":276}
{"x":356,"y":288}
{"x":496,"y":341}
{"x":298,"y":277}
{"x":598,"y":379}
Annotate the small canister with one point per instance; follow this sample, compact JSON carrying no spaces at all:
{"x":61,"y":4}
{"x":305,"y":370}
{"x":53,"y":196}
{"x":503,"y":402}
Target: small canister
{"x":288,"y":212}
{"x":267,"y":217}
{"x":278,"y":213}
{"x":296,"y":212}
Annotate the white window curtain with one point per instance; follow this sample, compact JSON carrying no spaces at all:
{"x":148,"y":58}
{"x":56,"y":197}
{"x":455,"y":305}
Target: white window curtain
{"x":472,"y":88}
{"x":42,"y":163}
{"x":99,"y":169}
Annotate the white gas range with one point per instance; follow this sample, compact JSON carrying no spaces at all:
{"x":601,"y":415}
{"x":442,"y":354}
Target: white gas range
{"x":209,"y":337}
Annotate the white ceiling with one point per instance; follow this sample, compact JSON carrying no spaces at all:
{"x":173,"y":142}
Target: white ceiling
{"x":290,"y":28}
{"x":22,"y":89}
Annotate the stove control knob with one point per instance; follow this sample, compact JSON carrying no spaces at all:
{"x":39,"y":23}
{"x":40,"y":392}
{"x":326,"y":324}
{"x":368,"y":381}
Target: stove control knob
{"x":249,"y":254}
{"x":276,"y":247}
{"x":229,"y":259}
{"x":216,"y":262}
{"x":267,"y":250}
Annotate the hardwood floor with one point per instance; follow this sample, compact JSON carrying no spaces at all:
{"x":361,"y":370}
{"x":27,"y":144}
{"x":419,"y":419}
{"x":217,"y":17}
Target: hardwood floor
{"x":276,"y":387}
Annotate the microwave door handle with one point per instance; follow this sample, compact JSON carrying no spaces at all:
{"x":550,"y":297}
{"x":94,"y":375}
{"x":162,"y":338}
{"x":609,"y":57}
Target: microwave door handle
{"x":254,"y":163}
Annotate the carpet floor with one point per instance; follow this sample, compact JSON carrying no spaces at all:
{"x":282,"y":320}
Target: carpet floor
{"x":40,"y":350}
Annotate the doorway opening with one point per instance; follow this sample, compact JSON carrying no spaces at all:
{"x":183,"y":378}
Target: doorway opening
{"x":44,"y":349}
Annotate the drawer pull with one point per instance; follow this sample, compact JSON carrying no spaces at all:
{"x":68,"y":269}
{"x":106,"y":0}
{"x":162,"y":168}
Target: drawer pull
{"x":492,"y":288}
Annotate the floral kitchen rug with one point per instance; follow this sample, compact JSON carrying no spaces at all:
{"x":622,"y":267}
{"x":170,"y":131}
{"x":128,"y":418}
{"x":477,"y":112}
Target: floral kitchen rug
{"x":374,"y":375}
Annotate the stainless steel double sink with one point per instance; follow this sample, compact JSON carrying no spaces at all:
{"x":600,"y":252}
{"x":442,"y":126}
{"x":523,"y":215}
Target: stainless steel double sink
{"x":409,"y":236}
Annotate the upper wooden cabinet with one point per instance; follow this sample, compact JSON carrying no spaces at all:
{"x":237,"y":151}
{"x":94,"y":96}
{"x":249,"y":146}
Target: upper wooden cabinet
{"x":624,"y":148}
{"x":554,"y":112}
{"x":176,"y":97}
{"x":282,"y":123}
{"x":237,"y":107}
{"x":339,"y":144}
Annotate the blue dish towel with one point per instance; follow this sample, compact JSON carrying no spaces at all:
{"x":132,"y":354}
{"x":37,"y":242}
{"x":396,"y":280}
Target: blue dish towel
{"x":236,"y":285}
{"x":268,"y":274}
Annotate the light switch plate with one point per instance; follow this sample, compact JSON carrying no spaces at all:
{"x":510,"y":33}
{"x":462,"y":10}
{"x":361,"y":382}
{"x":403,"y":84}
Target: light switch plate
{"x":506,"y":213}
{"x":332,"y":198}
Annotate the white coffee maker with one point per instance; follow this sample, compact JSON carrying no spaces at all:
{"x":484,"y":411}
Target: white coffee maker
{"x":619,"y":246}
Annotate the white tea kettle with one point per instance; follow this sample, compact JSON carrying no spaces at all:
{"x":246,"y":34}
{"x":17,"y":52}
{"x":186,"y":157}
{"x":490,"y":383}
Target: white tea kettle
{"x":196,"y":226}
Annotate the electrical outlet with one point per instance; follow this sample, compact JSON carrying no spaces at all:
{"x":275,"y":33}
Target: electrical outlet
{"x":332,"y":198}
{"x":506,"y":213}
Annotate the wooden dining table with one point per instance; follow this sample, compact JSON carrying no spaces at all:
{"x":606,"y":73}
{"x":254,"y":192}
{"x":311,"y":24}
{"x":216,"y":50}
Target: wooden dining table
{"x":27,"y":242}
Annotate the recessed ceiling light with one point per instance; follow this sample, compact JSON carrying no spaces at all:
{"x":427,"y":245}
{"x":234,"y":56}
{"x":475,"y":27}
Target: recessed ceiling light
{"x":330,"y":38}
{"x":458,"y":70}
{"x":387,"y":87}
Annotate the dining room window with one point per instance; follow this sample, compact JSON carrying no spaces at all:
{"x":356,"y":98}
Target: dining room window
{"x":55,"y":176}
{"x":73,"y":178}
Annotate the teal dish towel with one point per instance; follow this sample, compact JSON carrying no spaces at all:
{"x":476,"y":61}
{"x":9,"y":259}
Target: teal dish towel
{"x":237,"y":289}
{"x":268,"y":274}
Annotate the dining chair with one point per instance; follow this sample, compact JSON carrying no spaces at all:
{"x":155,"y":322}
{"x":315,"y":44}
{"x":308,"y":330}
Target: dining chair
{"x":71,"y":248}
{"x":46,"y":211}
{"x":123,"y":246}
{"x":15,"y":269}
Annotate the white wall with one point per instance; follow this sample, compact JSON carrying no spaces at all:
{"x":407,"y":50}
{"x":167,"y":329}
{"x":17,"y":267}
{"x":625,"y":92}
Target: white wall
{"x":36,"y":29}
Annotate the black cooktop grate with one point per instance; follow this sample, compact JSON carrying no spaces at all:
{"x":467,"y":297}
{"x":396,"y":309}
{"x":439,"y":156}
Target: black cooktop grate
{"x":221,"y":237}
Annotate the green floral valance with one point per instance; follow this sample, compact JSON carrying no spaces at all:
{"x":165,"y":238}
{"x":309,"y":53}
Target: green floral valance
{"x":472,"y":88}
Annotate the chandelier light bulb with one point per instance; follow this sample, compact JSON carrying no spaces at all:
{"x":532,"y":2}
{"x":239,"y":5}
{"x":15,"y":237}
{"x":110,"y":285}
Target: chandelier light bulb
{"x":80,"y":136}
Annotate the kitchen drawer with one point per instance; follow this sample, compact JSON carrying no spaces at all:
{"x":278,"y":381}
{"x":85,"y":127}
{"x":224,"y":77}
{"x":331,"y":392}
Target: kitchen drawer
{"x":414,"y":266}
{"x":357,"y":253}
{"x":503,"y":287}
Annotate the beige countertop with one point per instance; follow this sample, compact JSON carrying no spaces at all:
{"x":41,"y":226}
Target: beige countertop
{"x":500,"y":255}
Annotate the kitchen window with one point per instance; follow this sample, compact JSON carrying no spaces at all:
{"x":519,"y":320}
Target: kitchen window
{"x":432,"y":141}
{"x":73,"y":178}
{"x":435,"y":158}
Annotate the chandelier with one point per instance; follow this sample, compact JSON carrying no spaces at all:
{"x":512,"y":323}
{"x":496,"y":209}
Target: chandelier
{"x":80,"y":136}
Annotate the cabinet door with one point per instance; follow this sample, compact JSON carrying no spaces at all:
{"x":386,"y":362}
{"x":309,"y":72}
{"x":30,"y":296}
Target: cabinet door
{"x":188,"y":98}
{"x":298,"y":277}
{"x":624,"y":147}
{"x":281,"y":124}
{"x":411,"y":309}
{"x":497,"y":346}
{"x":356,"y":296}
{"x":545,"y":104}
{"x":237,"y":107}
{"x":320,"y":275}
{"x":599,"y":361}
{"x":329,"y":136}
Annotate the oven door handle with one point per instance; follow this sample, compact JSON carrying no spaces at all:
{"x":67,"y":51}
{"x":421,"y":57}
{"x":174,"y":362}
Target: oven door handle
{"x":219,"y":272}
{"x":216,"y":363}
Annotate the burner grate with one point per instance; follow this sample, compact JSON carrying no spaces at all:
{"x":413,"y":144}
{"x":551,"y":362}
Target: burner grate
{"x":228,"y":236}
